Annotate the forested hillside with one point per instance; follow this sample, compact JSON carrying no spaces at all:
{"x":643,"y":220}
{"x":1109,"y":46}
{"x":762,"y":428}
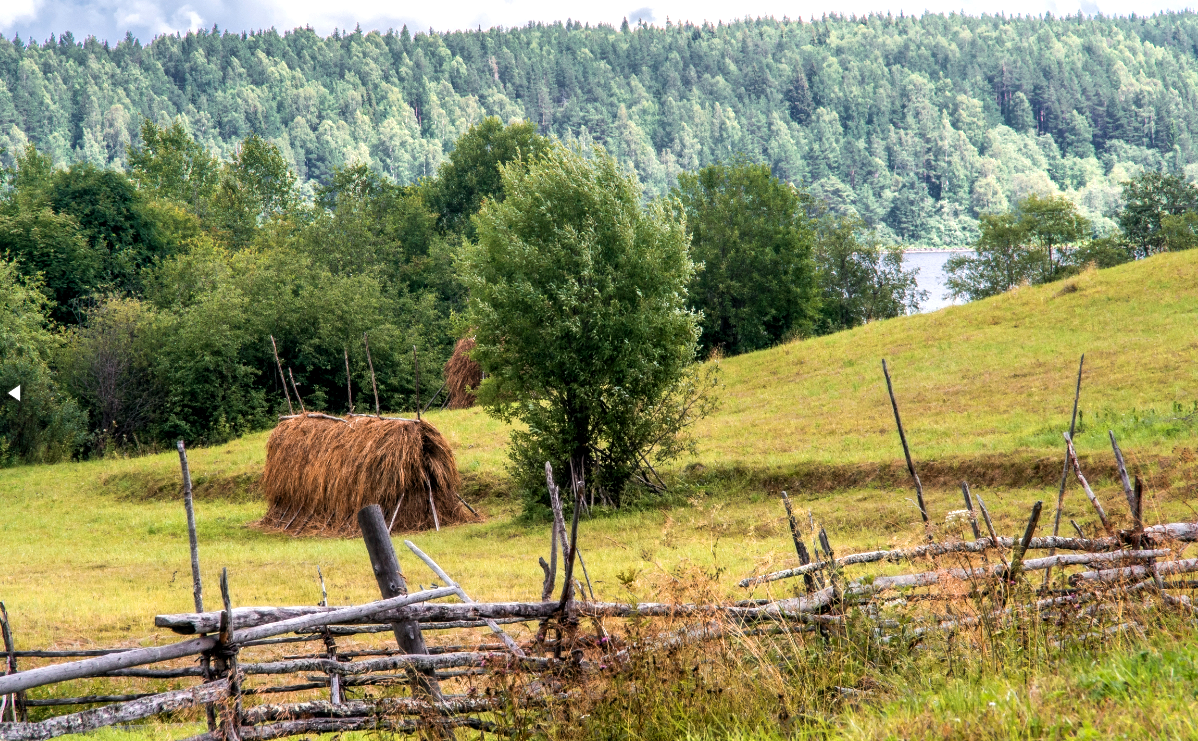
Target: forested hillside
{"x":917,"y":124}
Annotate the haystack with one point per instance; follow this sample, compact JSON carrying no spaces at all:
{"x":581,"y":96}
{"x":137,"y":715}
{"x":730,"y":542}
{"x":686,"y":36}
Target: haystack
{"x":462,"y":375}
{"x":321,"y":470}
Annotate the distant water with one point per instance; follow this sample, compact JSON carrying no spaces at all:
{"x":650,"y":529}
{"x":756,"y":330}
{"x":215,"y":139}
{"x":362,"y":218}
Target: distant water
{"x":930,"y":277}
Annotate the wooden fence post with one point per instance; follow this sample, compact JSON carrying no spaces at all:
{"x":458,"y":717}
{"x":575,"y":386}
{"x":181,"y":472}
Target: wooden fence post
{"x":800,"y":546}
{"x":16,"y":701}
{"x":391,"y":584}
{"x":197,"y":587}
{"x":1056,"y":522}
{"x":230,"y":723}
{"x":330,"y":646}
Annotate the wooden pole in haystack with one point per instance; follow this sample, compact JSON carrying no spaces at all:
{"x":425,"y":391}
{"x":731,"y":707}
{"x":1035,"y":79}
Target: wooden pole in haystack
{"x":297,"y":393}
{"x":1056,"y":522}
{"x":349,"y":387}
{"x":373,"y":383}
{"x":923,"y":510}
{"x":416,"y":367}
{"x":275,"y":348}
{"x":391,"y":584}
{"x":800,"y":546}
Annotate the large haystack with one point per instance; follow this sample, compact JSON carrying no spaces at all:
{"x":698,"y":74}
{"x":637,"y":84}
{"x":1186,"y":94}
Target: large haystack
{"x":321,"y":470}
{"x":462,"y":375}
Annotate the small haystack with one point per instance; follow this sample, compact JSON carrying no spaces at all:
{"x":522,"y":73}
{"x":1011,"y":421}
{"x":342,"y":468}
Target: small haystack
{"x":321,"y":470}
{"x":462,"y":375}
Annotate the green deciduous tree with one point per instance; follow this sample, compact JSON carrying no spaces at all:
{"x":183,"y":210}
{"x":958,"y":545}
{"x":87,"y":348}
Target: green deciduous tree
{"x":1149,"y":198}
{"x":1000,"y":261}
{"x":472,"y":173}
{"x":751,"y":233}
{"x":860,"y":280}
{"x":256,"y":187}
{"x":171,"y":164}
{"x":578,"y":299}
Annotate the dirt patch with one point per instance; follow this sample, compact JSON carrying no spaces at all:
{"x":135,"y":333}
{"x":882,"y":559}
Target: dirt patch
{"x":149,"y":485}
{"x":990,"y":471}
{"x":245,"y":486}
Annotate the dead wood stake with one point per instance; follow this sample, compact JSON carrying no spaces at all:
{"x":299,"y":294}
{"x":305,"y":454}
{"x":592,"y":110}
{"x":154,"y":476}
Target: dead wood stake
{"x":1021,"y":547}
{"x":1123,"y":479}
{"x":17,"y":699}
{"x":494,"y":626}
{"x":1137,"y":510}
{"x":197,"y":587}
{"x":990,"y":527}
{"x":373,"y":383}
{"x":432,"y":505}
{"x":800,"y":546}
{"x":283,"y":378}
{"x":330,"y":645}
{"x":1077,"y":470}
{"x":923,"y":510}
{"x":230,"y":725}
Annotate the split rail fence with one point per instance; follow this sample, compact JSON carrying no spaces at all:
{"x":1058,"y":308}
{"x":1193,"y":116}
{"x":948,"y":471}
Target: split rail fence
{"x":1142,"y":559}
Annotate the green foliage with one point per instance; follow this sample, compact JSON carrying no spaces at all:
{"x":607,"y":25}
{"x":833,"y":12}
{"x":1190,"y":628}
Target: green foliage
{"x":578,"y":297}
{"x":472,"y":173}
{"x":1022,"y":246}
{"x":1179,"y":231}
{"x":112,"y":217}
{"x":46,"y":425}
{"x":170,"y":164}
{"x":256,"y":187}
{"x":751,"y":233}
{"x":1149,"y":198}
{"x":860,"y":280}
{"x":108,"y":366}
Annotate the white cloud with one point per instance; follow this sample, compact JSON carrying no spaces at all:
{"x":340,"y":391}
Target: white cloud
{"x":110,"y":19}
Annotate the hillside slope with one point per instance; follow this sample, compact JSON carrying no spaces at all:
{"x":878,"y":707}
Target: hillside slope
{"x":990,"y":379}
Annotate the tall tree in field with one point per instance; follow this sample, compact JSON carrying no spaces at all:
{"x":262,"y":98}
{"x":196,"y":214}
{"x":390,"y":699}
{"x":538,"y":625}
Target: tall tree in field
{"x":1148,"y":199}
{"x":578,"y":297}
{"x":170,"y":164}
{"x":1052,"y":222}
{"x":752,"y":235}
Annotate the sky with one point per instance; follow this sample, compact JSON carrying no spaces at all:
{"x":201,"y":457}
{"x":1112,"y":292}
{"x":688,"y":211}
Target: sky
{"x":112,"y":19}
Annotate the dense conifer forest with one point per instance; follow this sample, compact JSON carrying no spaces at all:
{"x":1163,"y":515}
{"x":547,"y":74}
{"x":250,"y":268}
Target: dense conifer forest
{"x":916,"y":124}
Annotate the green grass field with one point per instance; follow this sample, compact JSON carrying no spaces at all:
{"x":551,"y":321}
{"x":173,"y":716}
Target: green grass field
{"x":91,"y":551}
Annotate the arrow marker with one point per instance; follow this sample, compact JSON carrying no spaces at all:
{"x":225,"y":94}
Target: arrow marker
{"x":15,"y":393}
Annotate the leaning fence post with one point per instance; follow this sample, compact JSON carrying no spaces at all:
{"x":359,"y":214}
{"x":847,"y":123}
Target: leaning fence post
{"x":923,"y":510}
{"x":391,"y":584}
{"x":973,"y":518}
{"x":1021,"y":547}
{"x":1056,"y":523}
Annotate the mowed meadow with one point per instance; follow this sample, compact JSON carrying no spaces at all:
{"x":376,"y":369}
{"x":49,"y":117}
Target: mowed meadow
{"x":91,"y":551}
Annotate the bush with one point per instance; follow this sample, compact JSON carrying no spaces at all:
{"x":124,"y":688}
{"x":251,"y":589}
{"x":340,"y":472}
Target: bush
{"x":46,"y":425}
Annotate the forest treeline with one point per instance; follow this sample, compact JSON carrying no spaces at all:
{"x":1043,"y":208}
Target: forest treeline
{"x":918,"y":125}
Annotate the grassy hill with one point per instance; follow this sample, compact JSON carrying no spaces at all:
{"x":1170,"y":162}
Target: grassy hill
{"x":90,"y":551}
